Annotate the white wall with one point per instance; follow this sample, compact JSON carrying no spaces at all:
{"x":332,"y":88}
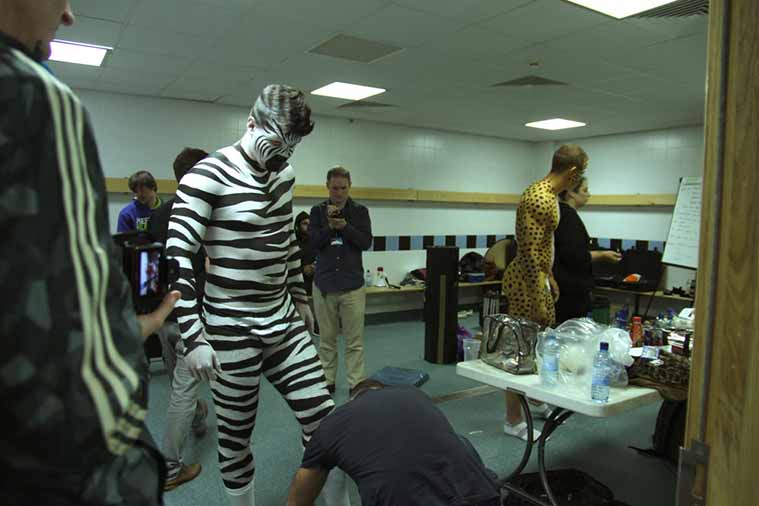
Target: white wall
{"x":146,"y":133}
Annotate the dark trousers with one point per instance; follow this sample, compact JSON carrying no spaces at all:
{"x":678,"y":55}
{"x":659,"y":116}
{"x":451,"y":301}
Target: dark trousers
{"x":572,"y":305}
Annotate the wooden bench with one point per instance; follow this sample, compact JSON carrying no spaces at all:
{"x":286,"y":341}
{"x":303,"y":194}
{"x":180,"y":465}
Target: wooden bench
{"x":409,"y":298}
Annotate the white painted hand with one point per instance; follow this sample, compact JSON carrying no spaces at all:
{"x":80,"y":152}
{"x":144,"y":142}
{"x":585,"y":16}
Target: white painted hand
{"x":203,"y":363}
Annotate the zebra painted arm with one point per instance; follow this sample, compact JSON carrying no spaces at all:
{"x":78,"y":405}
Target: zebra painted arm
{"x":190,"y":216}
{"x":295,"y":284}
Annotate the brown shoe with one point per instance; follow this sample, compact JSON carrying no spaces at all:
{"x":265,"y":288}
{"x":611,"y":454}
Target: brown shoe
{"x":199,"y":421}
{"x":186,"y":473}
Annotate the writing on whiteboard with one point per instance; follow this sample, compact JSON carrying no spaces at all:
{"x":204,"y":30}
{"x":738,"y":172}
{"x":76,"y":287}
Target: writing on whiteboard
{"x":682,"y":243}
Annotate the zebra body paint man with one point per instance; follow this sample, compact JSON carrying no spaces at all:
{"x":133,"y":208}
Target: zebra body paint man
{"x":237,"y":203}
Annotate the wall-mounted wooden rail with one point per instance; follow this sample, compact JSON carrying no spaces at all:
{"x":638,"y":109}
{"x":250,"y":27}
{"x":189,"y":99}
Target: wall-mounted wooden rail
{"x":169,"y":186}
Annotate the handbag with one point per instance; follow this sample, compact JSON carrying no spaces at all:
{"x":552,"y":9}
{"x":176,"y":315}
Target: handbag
{"x":509,"y":343}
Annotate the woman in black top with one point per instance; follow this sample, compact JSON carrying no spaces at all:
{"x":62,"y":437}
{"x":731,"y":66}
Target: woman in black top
{"x":308,"y":256}
{"x":572,"y":263}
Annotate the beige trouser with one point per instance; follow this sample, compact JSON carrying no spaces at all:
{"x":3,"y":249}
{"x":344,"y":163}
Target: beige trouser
{"x":333,"y":309}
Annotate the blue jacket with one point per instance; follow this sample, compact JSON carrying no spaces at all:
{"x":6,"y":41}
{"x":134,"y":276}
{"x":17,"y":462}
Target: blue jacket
{"x":338,"y":254}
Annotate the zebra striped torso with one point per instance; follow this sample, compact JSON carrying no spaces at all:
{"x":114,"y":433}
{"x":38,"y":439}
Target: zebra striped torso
{"x":242,"y":215}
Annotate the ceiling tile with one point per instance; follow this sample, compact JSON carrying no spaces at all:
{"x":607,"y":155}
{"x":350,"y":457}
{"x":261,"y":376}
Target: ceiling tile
{"x":241,"y":100}
{"x":162,"y":41}
{"x":128,"y":59}
{"x":672,"y":28}
{"x":623,"y":75}
{"x":185,"y":17}
{"x":91,"y":31}
{"x":75,"y":75}
{"x":470,"y":11}
{"x":178,"y":92}
{"x":212,"y":69}
{"x":403,"y":27}
{"x":476,"y":41}
{"x":605,"y":41}
{"x":151,"y":79}
{"x":544,"y":20}
{"x":678,"y":60}
{"x":575,"y":68}
{"x":129,"y":88}
{"x":335,"y":14}
{"x":104,"y":9}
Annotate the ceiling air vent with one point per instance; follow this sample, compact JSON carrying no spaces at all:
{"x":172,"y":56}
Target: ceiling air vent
{"x":531,"y":81}
{"x":354,"y":49}
{"x":366,"y":105}
{"x":680,"y":9}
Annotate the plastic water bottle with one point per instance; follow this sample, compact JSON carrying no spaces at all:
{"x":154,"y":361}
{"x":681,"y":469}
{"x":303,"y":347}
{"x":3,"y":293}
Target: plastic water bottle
{"x":549,"y":373}
{"x":380,"y":280}
{"x":599,"y":390}
{"x":368,"y":278}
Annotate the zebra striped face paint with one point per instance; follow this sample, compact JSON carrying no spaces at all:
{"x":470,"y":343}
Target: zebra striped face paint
{"x":271,"y":147}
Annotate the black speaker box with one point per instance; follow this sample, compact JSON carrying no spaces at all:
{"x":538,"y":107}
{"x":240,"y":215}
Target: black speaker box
{"x":441,"y":300}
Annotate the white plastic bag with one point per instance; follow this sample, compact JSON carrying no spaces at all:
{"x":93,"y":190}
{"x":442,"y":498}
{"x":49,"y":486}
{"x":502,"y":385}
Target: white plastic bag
{"x":579,"y":340}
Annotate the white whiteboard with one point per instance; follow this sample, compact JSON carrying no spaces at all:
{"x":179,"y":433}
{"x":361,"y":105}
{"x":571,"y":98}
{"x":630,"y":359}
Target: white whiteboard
{"x":682,"y":243}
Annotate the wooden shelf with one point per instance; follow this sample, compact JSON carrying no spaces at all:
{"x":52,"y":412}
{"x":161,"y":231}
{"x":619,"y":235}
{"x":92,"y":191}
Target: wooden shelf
{"x":659,"y":294}
{"x":372,"y":290}
{"x":358,"y":193}
{"x":635,"y":200}
{"x":169,"y":187}
{"x":467,"y":197}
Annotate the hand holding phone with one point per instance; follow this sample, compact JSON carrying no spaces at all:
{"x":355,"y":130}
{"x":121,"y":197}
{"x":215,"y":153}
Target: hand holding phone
{"x":151,"y":322}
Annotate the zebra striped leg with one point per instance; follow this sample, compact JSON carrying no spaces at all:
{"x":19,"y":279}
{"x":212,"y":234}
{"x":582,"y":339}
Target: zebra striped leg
{"x":235,"y":395}
{"x":294,"y":368}
{"x":242,"y":497}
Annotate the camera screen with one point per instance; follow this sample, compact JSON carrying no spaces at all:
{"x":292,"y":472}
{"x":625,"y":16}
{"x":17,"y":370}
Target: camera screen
{"x":149,"y":273}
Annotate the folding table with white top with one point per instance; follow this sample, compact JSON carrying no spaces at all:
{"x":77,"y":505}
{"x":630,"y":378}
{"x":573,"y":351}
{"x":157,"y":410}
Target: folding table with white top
{"x":567,"y":401}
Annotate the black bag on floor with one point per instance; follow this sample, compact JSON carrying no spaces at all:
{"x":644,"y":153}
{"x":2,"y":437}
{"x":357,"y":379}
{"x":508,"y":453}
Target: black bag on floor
{"x":669,"y":434}
{"x":570,"y":487}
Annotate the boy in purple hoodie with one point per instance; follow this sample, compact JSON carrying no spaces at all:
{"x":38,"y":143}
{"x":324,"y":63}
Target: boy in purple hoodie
{"x":136,"y":215}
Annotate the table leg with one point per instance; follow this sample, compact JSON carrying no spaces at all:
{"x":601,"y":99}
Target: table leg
{"x":557,"y":417}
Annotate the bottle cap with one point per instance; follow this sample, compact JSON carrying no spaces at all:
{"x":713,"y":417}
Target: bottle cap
{"x":604,"y":346}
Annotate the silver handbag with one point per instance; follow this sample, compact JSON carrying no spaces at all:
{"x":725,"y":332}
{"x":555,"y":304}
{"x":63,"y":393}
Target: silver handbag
{"x":509,"y":343}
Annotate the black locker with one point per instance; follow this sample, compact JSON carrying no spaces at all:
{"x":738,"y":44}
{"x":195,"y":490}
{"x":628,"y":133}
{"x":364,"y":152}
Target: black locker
{"x":441,"y":300}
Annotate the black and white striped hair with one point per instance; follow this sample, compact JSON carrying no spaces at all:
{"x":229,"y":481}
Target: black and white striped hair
{"x":283,"y":109}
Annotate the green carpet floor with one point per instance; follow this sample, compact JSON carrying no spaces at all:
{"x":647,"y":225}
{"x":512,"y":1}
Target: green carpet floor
{"x":596,"y":446}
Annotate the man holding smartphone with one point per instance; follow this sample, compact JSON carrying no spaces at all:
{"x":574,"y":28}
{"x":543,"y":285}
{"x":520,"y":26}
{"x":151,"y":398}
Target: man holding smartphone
{"x":340,"y":230}
{"x":74,"y":374}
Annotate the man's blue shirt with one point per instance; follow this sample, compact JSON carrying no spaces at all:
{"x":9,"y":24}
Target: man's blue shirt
{"x":338,"y":253}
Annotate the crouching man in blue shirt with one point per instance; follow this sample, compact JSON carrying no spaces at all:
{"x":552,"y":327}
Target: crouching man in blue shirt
{"x":340,"y":230}
{"x":399,"y":448}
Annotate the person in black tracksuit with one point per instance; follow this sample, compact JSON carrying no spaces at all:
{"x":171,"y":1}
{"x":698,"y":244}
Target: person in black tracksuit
{"x":573,"y":258}
{"x":74,"y":376}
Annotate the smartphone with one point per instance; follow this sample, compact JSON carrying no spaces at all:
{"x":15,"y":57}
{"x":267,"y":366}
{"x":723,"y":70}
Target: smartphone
{"x":150,"y":274}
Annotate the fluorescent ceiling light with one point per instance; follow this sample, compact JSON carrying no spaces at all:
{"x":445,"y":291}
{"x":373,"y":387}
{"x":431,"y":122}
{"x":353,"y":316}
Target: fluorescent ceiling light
{"x":621,"y":8}
{"x":76,"y":52}
{"x":347,"y":91}
{"x":554,"y":124}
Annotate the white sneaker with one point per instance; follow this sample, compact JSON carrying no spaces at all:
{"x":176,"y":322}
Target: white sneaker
{"x":542,"y":411}
{"x":520,"y":430}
